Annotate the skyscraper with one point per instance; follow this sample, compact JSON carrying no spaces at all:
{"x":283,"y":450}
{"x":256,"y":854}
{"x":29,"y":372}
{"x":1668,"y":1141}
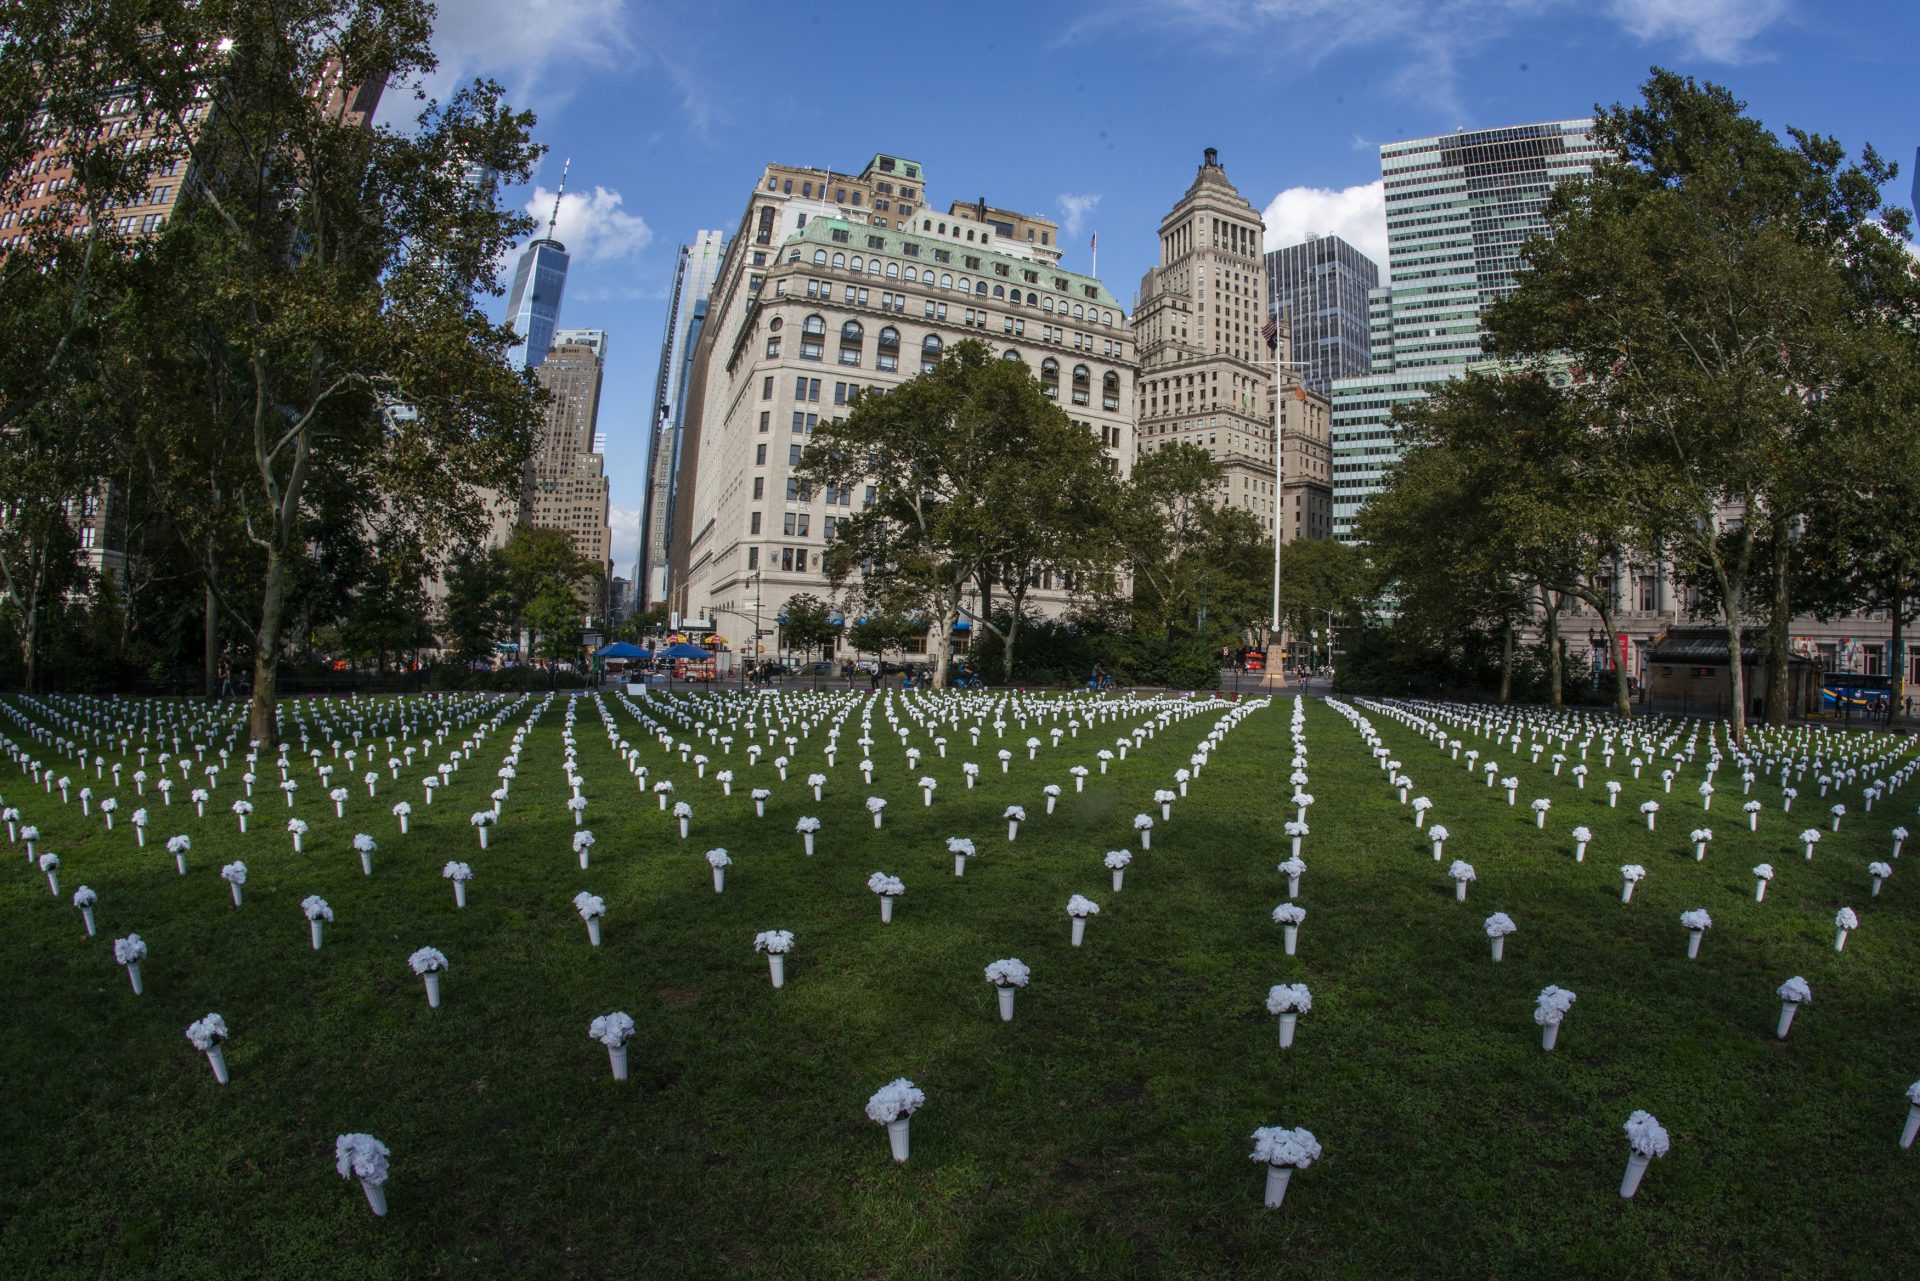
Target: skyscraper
{"x":533,"y":305}
{"x":566,"y":482}
{"x":1459,"y":209}
{"x":693,"y":277}
{"x":1206,"y":377}
{"x":1319,"y":292}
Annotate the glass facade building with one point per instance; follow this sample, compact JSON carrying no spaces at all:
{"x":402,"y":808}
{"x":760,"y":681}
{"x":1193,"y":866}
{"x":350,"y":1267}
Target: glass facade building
{"x":1460,"y":209}
{"x":1319,"y":294}
{"x":533,"y":305}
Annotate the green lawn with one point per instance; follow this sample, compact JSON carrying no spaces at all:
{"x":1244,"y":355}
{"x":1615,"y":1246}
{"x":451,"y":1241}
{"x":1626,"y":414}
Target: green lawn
{"x":1104,"y":1132}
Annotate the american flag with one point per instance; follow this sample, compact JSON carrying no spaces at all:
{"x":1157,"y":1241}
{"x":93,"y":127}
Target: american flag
{"x":1093,"y":242}
{"x":1272,"y":334}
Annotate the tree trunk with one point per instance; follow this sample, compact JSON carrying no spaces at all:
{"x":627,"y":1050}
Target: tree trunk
{"x":1896,"y":655}
{"x":1016,"y":599}
{"x":1506,"y":663}
{"x":1556,"y":673}
{"x":943,"y":625}
{"x":210,"y":644}
{"x":1736,"y":677}
{"x":263,"y":725}
{"x":1621,"y":702}
{"x":1779,"y":691}
{"x":30,"y":637}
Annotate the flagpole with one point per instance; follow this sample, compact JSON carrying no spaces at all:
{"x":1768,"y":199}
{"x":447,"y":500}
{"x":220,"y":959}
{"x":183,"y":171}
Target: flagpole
{"x":1095,"y":273}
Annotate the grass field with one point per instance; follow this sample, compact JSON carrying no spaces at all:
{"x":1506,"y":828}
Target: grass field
{"x":1104,"y":1132}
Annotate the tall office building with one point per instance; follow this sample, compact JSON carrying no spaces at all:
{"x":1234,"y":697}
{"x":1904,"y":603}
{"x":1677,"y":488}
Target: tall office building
{"x":1319,"y":294}
{"x":566,"y":480}
{"x":533,"y":305}
{"x":1459,"y":209}
{"x":1206,"y":374}
{"x":835,"y":284}
{"x":699,"y":264}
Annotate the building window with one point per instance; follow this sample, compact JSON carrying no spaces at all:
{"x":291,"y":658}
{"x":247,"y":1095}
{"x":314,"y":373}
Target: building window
{"x":759,"y":488}
{"x":760,"y":455}
{"x":787,"y":527}
{"x":1110,"y":391}
{"x":793,"y":456}
{"x":1050,"y":377}
{"x":753,"y":523}
{"x":871,"y":497}
{"x":773,"y":349}
{"x":753,"y":558}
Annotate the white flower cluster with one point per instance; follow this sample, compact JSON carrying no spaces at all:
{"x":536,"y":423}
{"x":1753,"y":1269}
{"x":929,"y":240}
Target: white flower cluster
{"x":1499,"y":925}
{"x":612,"y":1030}
{"x":886,"y":886}
{"x":316,"y":908}
{"x":773,"y":941}
{"x":897,"y":1098}
{"x":1645,"y":1135}
{"x":1283,"y":998}
{"x":1289,"y":914}
{"x":1081,"y":905}
{"x":1553,"y":1004}
{"x":130,"y":949}
{"x":1697,"y":919}
{"x":1117,"y":859}
{"x":1278,"y":1145}
{"x":457,"y":872}
{"x":360,"y":1156}
{"x":207,"y":1032}
{"x":427,"y":960}
{"x":1011,"y":972}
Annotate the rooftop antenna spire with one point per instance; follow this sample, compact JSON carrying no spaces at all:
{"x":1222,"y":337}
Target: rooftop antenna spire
{"x":556,"y":196}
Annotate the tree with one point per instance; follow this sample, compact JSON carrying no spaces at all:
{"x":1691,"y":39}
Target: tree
{"x":553,"y":620}
{"x":1323,"y":578}
{"x":807,"y":623}
{"x":952,"y":454}
{"x":1169,"y":509}
{"x":540,"y":571}
{"x":1707,"y":287}
{"x":306,"y":321}
{"x":473,"y":614}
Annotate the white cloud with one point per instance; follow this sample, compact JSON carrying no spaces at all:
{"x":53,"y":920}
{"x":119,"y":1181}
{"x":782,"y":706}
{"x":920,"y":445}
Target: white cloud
{"x":541,"y":50}
{"x":1074,"y":210}
{"x":1358,"y":215}
{"x":624,"y":523}
{"x":1422,"y":46}
{"x":592,"y":225}
{"x":1718,"y":30}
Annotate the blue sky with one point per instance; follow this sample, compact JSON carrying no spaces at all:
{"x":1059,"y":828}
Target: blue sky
{"x":1092,"y":114}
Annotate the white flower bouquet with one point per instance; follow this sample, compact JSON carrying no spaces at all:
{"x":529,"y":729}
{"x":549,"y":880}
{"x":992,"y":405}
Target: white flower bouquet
{"x":459,"y":874}
{"x":893,"y":1106}
{"x":1282,"y":1151}
{"x":1696,"y":922}
{"x":1289,"y":1001}
{"x":719,"y":861}
{"x":130,"y":951}
{"x":363,"y":1157}
{"x":364,"y":846}
{"x":1289,"y":916}
{"x":429,"y":963}
{"x":962,"y":849}
{"x":888,"y":888}
{"x":1794,"y":993}
{"x":1461,"y":872}
{"x":1631,"y":874}
{"x":1646,"y":1139}
{"x":1844,"y":920}
{"x":776,"y":944}
{"x":1079,"y":908}
{"x":205,"y":1035}
{"x":318,"y":913}
{"x":592,"y":909}
{"x":1498,"y":926}
{"x":235,"y":875}
{"x":1550,"y":1007}
{"x":614,"y":1031}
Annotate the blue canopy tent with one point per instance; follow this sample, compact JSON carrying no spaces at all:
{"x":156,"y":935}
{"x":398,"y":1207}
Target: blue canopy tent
{"x":621,"y":649}
{"x":684,"y":650}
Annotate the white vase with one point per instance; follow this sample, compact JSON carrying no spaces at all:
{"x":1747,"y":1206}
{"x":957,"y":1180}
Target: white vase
{"x":366,"y":863}
{"x":459,"y":893}
{"x":1289,"y":1020}
{"x":86,"y":916}
{"x":1693,"y":944}
{"x":1786,"y":1018}
{"x":1119,"y":874}
{"x":1876,"y":887}
{"x":1626,"y":892}
{"x":1006,"y":1004}
{"x":683,"y":828}
{"x":53,"y":883}
{"x":593,"y":930}
{"x":1839,"y":940}
{"x":1459,"y":891}
{"x":897,"y":1137}
{"x":777,"y":966}
{"x":807,"y":838}
{"x":876,"y":820}
{"x":1051,"y":799}
{"x":886,"y":909}
{"x":1080,"y":784}
{"x":218,"y":1058}
{"x":313,"y":928}
{"x":1079,"y":930}
{"x":1580,"y":852}
{"x":133,"y":976}
{"x":482,"y":829}
{"x":234,"y":886}
{"x":719,"y":880}
{"x":1499,"y":946}
{"x":1013,"y":830}
{"x":583,"y":858}
{"x":1636,"y":1167}
{"x":1436,"y":850}
{"x":1911,"y":1128}
{"x":376,"y":1197}
{"x":403,"y":824}
{"x":1146,"y":838}
{"x":1292,"y":933}
{"x":1277,"y":1178}
{"x":617,"y":1055}
{"x":959,"y":864}
{"x":926,"y":797}
{"x":433,"y":989}
{"x":1759,"y":891}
